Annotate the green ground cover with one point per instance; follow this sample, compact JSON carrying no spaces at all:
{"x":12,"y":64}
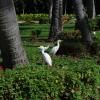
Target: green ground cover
{"x":70,"y":78}
{"x":27,"y":29}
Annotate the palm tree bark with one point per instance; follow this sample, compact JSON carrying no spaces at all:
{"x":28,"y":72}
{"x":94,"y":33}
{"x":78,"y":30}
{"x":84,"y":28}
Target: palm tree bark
{"x":23,"y":6}
{"x":54,"y":28}
{"x":60,"y":16}
{"x":12,"y":51}
{"x":65,"y":6}
{"x":82,"y":22}
{"x":50,"y":9}
{"x":90,"y":5}
{"x":56,"y":22}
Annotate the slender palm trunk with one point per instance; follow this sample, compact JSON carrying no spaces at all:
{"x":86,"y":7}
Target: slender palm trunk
{"x":10,"y":42}
{"x":54,"y":28}
{"x":23,"y":11}
{"x":23,"y":7}
{"x":82,"y":21}
{"x":50,"y":10}
{"x":65,"y":6}
{"x":56,"y":23}
{"x":90,"y":4}
{"x":60,"y":16}
{"x":94,"y":11}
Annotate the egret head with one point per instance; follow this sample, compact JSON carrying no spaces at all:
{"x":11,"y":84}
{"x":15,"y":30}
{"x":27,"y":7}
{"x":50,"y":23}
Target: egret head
{"x":59,"y":41}
{"x":45,"y":48}
{"x":41,"y":48}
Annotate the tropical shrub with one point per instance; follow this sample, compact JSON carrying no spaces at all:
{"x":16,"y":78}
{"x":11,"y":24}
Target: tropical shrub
{"x":70,"y":80}
{"x":95,"y":23}
{"x":33,"y":17}
{"x":65,"y":19}
{"x":73,"y":34}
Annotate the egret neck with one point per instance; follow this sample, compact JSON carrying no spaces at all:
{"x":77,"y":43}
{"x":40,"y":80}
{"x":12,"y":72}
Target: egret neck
{"x":58,"y":43}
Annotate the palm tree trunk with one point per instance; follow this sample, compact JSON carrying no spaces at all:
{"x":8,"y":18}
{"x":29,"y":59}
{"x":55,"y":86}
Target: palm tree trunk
{"x":90,"y":4}
{"x":65,"y":6}
{"x":10,"y":42}
{"x":82,"y":21}
{"x":54,"y":28}
{"x":56,"y":23}
{"x":60,"y":16}
{"x":23,"y":7}
{"x":94,"y":11}
{"x":50,"y":10}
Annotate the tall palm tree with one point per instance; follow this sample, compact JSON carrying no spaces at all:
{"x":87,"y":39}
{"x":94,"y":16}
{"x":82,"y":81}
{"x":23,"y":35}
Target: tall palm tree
{"x":90,"y":5}
{"x":12,"y":51}
{"x":50,"y":9}
{"x":23,"y":6}
{"x":22,"y":3}
{"x":65,"y":6}
{"x":82,"y":21}
{"x":56,"y":21}
{"x":60,"y":16}
{"x":54,"y":28}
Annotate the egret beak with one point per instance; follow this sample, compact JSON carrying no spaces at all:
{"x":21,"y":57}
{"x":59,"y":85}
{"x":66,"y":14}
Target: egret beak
{"x":40,"y":47}
{"x":61,"y":41}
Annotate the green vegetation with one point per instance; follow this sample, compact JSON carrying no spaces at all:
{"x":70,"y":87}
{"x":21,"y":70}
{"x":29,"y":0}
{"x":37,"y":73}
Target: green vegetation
{"x":70,"y":78}
{"x":26,"y":30}
{"x":42,"y":18}
{"x":95,"y":23}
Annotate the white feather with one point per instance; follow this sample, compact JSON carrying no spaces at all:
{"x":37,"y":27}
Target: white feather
{"x":46,"y":56}
{"x":55,"y":48}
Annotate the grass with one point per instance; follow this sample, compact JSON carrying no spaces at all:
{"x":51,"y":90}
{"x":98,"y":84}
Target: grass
{"x":27,"y":29}
{"x":68,"y":75}
{"x":73,"y":65}
{"x":35,"y":56}
{"x":33,"y":53}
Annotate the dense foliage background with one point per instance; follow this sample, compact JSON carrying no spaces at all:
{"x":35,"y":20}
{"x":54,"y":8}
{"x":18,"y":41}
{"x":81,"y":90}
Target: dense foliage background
{"x":75,"y":74}
{"x":42,"y":6}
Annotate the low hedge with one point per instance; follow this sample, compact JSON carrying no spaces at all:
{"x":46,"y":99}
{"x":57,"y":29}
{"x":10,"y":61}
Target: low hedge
{"x":75,"y":80}
{"x":43,"y":18}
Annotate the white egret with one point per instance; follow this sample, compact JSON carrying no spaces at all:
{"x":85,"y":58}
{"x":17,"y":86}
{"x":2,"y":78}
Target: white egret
{"x":46,"y":56}
{"x":45,"y":48}
{"x":55,"y":48}
{"x":94,"y":33}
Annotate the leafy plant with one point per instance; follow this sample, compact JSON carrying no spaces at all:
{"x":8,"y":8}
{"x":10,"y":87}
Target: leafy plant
{"x":33,"y":17}
{"x":73,"y":80}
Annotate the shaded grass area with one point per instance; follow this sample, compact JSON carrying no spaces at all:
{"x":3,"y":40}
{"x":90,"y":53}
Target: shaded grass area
{"x":76,"y":74}
{"x":27,"y":29}
{"x":26,"y":33}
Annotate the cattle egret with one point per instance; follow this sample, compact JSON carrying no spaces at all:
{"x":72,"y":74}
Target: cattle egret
{"x":55,"y":48}
{"x":45,"y":48}
{"x":46,"y":56}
